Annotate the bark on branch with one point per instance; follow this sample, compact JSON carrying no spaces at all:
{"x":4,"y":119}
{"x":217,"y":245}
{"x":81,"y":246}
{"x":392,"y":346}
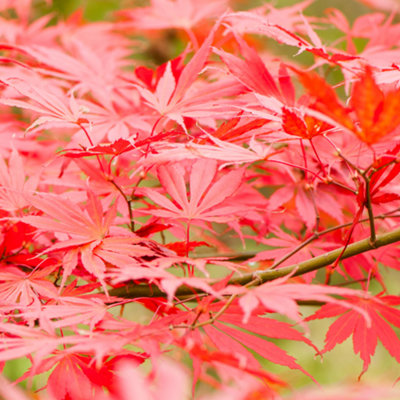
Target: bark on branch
{"x":134,"y":291}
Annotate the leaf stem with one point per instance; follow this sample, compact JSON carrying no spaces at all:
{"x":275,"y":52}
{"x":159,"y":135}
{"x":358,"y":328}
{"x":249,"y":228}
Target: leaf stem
{"x":92,"y":144}
{"x":211,"y":320}
{"x":317,"y":156}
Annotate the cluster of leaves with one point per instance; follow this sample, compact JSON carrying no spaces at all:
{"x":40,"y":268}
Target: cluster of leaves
{"x":126,"y":190}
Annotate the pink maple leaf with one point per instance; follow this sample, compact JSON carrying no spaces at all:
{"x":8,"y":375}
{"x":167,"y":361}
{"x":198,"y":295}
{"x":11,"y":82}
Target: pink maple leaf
{"x":26,"y":289}
{"x":281,"y":297}
{"x":174,"y":96}
{"x":49,"y":102}
{"x":85,"y":233}
{"x":20,"y":341}
{"x":208,"y":199}
{"x":229,"y":339}
{"x":14,"y":187}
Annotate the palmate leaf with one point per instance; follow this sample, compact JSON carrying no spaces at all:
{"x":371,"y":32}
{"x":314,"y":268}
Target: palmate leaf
{"x":15,"y":188}
{"x":73,"y":377}
{"x":328,"y":101}
{"x":63,"y":216}
{"x":67,"y":312}
{"x":86,"y":234}
{"x":26,"y":289}
{"x":282,"y":31}
{"x":208,"y":198}
{"x":251,"y":71}
{"x":233,"y":338}
{"x":84,"y":66}
{"x":170,"y":97}
{"x":281,"y":297}
{"x":375,"y":111}
{"x":53,"y":107}
{"x":18,"y":340}
{"x":78,"y":385}
{"x":228,"y":361}
{"x":306,"y":202}
{"x":305,"y":126}
{"x":237,"y":341}
{"x":381,"y":313}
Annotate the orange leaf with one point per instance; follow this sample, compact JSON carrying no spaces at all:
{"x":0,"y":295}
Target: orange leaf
{"x":326,"y":98}
{"x":367,"y":101}
{"x":389,"y":118}
{"x":293,"y":124}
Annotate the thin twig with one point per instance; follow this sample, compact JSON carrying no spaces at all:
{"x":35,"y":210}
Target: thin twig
{"x":317,"y":156}
{"x":211,"y":320}
{"x":128,"y":203}
{"x":316,"y":235}
{"x":344,"y":158}
{"x":341,"y":185}
{"x":195,"y":324}
{"x":92,"y":144}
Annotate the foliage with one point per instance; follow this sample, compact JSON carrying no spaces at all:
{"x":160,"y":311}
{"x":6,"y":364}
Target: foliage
{"x":171,"y":217}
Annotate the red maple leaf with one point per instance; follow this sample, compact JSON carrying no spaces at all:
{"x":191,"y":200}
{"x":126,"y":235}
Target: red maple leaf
{"x":381,"y":312}
{"x":240,"y":337}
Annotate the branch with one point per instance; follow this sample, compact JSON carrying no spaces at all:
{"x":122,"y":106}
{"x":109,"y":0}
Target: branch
{"x":316,"y":235}
{"x":134,"y":291}
{"x":368,"y":205}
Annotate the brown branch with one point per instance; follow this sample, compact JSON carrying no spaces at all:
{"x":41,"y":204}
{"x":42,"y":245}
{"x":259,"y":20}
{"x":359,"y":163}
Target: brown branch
{"x":362,"y":246}
{"x":368,"y":205}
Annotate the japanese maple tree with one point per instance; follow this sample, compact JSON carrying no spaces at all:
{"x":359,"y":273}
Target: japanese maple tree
{"x":166,"y":218}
